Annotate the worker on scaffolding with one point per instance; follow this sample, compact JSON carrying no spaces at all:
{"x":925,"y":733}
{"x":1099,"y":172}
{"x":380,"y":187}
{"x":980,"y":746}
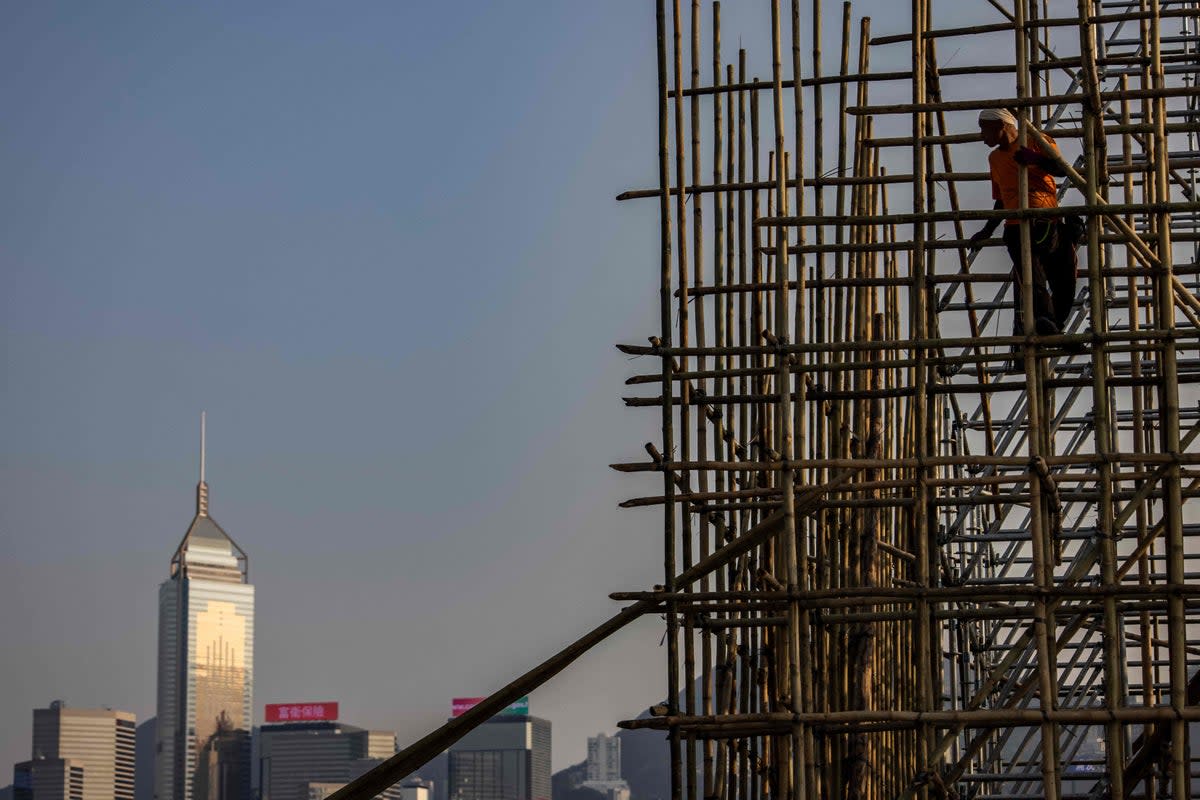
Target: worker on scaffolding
{"x":1052,"y":247}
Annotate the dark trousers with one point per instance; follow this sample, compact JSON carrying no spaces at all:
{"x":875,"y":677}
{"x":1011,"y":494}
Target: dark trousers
{"x":1054,"y":266}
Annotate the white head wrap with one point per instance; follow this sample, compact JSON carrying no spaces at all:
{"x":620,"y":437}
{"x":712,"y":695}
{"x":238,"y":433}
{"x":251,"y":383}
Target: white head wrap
{"x":997,"y":115}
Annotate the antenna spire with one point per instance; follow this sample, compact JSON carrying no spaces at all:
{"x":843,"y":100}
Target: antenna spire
{"x":202,"y":487}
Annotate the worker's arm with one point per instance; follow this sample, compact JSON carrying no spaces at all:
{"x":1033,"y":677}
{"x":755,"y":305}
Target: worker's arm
{"x":987,"y":230}
{"x":1032,"y":158}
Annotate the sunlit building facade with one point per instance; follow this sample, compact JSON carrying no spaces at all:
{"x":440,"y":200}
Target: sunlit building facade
{"x":78,"y":754}
{"x":205,"y":666}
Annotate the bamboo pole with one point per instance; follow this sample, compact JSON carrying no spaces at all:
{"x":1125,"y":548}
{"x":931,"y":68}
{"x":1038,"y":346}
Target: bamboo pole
{"x":711,"y":753}
{"x":1113,"y":667}
{"x":668,"y":388}
{"x":688,"y":532}
{"x":1169,"y":425}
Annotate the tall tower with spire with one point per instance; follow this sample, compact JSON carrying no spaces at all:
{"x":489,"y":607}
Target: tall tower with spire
{"x":205,"y":663}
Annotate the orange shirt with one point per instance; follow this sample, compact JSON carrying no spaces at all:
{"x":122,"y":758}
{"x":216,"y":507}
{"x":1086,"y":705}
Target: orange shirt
{"x":1043,"y":191}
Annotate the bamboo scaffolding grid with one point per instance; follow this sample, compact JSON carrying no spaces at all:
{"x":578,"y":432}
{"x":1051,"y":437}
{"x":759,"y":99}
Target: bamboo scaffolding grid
{"x":870,"y":649}
{"x":905,"y":553}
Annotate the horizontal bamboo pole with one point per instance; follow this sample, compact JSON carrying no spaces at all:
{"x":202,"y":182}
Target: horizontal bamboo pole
{"x":899,"y":177}
{"x":832,"y":80}
{"x":1015,"y":102}
{"x":984,"y":214}
{"x":991,"y":387}
{"x":909,"y":345}
{"x":980,"y":718}
{"x":1031,"y":24}
{"x":994,"y":356}
{"x":1011,"y":497}
{"x":883,"y":77}
{"x":934,"y":595}
{"x":1013,"y":614}
{"x":970,"y":461}
{"x":940,"y":244}
{"x":1059,"y":133}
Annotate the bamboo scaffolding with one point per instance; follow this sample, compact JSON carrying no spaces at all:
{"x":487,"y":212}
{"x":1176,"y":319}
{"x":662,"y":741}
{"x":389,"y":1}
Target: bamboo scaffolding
{"x":995,"y":579}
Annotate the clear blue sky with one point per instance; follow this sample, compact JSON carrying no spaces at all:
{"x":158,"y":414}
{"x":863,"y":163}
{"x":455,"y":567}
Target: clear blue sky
{"x":377,"y":242}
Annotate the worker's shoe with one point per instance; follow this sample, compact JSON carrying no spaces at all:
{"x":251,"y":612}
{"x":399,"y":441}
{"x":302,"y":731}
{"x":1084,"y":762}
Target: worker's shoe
{"x":1076,"y":348}
{"x":1046,"y":327}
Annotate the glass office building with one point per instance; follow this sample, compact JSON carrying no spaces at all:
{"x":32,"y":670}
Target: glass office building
{"x":205,"y":666}
{"x":506,"y":758}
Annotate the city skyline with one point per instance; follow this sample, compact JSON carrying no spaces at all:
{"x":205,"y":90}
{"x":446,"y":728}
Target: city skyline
{"x":207,"y":556}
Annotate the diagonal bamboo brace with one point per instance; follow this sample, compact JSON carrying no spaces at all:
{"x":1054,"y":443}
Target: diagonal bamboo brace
{"x":417,"y":754}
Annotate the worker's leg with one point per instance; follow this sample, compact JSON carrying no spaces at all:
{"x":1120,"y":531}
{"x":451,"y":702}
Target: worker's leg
{"x":1061,"y":270}
{"x":1042,"y":305}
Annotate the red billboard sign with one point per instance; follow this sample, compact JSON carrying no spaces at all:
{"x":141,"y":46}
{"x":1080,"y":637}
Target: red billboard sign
{"x":301,"y":712}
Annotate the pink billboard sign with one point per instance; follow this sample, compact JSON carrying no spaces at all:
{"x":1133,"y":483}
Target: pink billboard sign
{"x":301,"y":712}
{"x":461,"y":705}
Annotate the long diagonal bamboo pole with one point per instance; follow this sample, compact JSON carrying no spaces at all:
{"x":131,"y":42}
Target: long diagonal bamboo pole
{"x":410,"y":758}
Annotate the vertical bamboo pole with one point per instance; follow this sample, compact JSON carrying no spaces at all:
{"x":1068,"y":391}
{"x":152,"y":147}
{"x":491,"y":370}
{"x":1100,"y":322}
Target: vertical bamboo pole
{"x":758,"y":312}
{"x":1046,"y":667}
{"x":668,"y":391}
{"x":743,"y":316}
{"x":1113,"y":667}
{"x":803,"y":678}
{"x":1138,"y":436}
{"x":741,"y":768}
{"x":685,"y":440}
{"x":819,"y":701}
{"x":710,"y":640}
{"x":841,"y":412}
{"x":1169,"y":422}
{"x":918,"y":318}
{"x":784,"y":423}
{"x":836,"y":378}
{"x":732,"y":418}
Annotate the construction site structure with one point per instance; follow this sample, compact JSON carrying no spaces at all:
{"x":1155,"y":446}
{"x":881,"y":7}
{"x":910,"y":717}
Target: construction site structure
{"x":907,"y":551}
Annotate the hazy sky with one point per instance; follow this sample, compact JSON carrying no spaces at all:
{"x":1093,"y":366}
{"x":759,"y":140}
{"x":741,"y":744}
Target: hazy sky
{"x":377,"y":242}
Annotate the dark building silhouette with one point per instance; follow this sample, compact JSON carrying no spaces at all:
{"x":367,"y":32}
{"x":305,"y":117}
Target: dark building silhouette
{"x":506,"y":758}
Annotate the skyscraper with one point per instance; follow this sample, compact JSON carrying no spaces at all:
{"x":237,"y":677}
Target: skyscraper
{"x":80,"y":754}
{"x":205,"y":664}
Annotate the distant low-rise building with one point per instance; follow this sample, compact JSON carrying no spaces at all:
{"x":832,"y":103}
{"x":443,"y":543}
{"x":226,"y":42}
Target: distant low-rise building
{"x":310,"y":760}
{"x":78,"y":754}
{"x":414,"y":790}
{"x":604,"y":767}
{"x":48,"y":779}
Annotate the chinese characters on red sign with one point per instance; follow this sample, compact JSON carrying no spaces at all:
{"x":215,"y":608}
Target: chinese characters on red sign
{"x":301,"y":712}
